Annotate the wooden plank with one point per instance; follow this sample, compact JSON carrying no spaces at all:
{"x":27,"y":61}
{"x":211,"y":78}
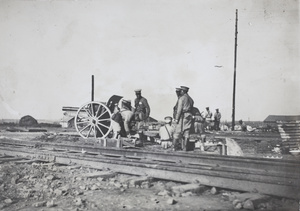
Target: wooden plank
{"x":126,"y":143}
{"x":4,"y":160}
{"x":184,"y":157}
{"x":37,"y":130}
{"x":105,"y":142}
{"x":290,"y":139}
{"x":289,"y":128}
{"x":290,"y":136}
{"x":111,"y":155}
{"x":243,"y":184}
{"x":177,"y":167}
{"x":102,"y":174}
{"x":288,"y":131}
{"x":289,"y":125}
{"x":291,"y":142}
{"x":28,"y":161}
{"x":5,"y":156}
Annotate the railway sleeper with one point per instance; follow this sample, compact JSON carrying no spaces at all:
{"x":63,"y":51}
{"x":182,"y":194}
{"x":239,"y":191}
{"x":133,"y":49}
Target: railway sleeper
{"x":246,"y":200}
{"x":264,"y":187}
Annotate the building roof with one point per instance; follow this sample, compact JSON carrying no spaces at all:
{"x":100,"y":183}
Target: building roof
{"x":152,"y":119}
{"x":282,"y":118}
{"x":67,"y":118}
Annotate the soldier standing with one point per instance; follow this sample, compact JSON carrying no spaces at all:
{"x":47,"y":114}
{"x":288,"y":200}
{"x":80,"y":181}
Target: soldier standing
{"x":217,"y":119}
{"x":175,"y":107}
{"x":142,"y":108}
{"x":183,"y":118}
{"x":208,"y":116}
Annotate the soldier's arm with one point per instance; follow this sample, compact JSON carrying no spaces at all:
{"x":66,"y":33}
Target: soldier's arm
{"x":179,"y":109}
{"x":136,"y":103}
{"x":147,"y":108}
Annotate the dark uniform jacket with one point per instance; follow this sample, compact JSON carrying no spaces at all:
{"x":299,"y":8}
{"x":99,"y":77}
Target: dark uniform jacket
{"x":141,"y":105}
{"x":184,"y":105}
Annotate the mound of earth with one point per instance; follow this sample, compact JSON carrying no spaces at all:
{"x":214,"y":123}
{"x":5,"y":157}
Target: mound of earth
{"x":28,"y":121}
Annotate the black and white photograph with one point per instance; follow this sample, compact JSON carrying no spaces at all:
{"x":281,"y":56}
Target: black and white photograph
{"x":149,"y":105}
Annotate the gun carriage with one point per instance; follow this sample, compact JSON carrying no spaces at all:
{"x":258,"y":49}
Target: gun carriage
{"x":94,"y":119}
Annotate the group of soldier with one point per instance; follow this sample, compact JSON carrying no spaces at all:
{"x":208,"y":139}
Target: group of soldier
{"x":186,"y":117}
{"x":124,"y":114}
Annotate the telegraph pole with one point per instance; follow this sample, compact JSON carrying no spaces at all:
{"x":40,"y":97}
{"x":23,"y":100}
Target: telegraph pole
{"x":234,"y":75}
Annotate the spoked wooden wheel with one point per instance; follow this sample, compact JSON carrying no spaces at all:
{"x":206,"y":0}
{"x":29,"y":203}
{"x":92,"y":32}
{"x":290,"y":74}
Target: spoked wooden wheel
{"x":93,"y":119}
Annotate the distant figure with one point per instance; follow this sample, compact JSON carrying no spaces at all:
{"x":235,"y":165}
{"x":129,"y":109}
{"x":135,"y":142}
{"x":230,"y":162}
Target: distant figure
{"x":217,"y":119}
{"x":243,"y":126}
{"x":250,"y":129}
{"x":127,"y":116}
{"x":183,"y":119}
{"x":142,"y":109}
{"x":225,"y":127}
{"x":177,"y":90}
{"x":166,"y":133}
{"x":208,"y":115}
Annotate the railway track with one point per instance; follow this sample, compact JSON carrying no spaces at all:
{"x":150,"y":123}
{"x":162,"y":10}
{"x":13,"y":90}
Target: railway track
{"x":275,"y":177}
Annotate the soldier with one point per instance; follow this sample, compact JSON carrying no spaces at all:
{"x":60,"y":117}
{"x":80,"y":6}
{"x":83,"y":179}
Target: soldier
{"x":199,"y":125}
{"x":183,"y":118}
{"x":243,"y":125}
{"x":127,"y":116}
{"x":175,"y":107}
{"x":217,"y":119}
{"x":166,"y":133}
{"x":208,"y":116}
{"x":117,"y":122}
{"x":142,"y":108}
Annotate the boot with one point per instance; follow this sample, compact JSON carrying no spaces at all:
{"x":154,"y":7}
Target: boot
{"x":175,"y":144}
{"x":183,"y":144}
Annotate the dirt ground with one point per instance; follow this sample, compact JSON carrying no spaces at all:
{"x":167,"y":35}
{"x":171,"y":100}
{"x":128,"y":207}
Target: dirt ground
{"x":41,"y":186}
{"x":48,"y":186}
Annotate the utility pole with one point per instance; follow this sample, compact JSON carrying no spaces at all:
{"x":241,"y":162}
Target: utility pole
{"x":234,"y":75}
{"x":92,"y":87}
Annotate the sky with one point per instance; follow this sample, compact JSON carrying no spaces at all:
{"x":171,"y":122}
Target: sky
{"x":49,"y":51}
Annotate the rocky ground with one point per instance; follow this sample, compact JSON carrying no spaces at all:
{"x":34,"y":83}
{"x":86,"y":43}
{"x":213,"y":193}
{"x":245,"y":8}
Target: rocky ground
{"x":48,"y":186}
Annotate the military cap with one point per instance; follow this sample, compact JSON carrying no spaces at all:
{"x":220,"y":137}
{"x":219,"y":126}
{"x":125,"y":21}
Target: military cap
{"x":184,"y":88}
{"x":168,"y":119}
{"x":138,"y":90}
{"x":207,"y":107}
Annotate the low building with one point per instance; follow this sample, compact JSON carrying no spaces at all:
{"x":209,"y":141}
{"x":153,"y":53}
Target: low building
{"x":68,"y":117}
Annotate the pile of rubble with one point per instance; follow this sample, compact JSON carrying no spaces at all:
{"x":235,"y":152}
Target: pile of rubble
{"x":31,"y":185}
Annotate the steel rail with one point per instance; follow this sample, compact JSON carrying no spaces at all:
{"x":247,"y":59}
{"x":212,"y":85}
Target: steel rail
{"x":206,"y":175}
{"x":284,"y":166}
